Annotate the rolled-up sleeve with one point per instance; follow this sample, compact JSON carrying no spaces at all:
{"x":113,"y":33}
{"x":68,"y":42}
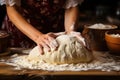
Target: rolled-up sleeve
{"x":72,"y":3}
{"x":7,"y":2}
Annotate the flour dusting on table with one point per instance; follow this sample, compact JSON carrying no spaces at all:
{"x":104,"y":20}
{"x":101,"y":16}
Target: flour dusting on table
{"x":102,"y":61}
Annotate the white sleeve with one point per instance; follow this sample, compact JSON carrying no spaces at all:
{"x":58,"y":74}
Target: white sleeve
{"x":9,"y":2}
{"x":72,"y":3}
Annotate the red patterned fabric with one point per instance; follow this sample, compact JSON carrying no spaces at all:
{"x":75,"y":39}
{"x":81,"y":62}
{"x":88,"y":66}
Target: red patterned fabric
{"x":45,"y":15}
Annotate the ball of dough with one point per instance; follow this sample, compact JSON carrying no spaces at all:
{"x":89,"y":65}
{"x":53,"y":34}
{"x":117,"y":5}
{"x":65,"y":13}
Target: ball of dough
{"x":70,"y":50}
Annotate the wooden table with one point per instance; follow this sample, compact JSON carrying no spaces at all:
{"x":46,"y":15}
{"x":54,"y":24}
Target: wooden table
{"x":8,"y":72}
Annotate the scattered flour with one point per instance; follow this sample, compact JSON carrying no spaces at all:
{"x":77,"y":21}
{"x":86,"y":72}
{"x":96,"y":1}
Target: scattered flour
{"x":102,"y":61}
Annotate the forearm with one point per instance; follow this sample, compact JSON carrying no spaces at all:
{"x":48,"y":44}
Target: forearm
{"x":22,"y":24}
{"x":71,"y":17}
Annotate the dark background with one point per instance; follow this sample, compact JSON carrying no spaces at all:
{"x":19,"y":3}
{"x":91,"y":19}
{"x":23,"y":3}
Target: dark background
{"x":2,"y":14}
{"x":91,"y":4}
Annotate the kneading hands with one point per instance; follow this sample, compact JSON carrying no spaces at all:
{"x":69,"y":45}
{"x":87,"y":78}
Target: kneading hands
{"x":45,"y":41}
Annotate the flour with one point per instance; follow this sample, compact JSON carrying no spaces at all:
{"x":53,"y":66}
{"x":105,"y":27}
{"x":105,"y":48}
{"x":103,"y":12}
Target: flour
{"x":102,"y":61}
{"x":101,"y":26}
{"x":115,"y":35}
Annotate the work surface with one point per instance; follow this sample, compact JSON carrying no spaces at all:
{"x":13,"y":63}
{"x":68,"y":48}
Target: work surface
{"x":6,"y":69}
{"x":9,"y":71}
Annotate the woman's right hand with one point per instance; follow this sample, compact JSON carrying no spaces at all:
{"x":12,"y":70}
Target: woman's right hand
{"x":46,"y":42}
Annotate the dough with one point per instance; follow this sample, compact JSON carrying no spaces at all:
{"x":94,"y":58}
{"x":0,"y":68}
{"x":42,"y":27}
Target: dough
{"x":70,"y":50}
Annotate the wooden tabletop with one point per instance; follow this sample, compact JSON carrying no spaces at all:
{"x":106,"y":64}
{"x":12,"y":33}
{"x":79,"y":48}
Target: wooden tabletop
{"x":10,"y":70}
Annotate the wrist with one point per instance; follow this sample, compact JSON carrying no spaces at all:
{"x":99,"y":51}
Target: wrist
{"x":70,"y":29}
{"x":36,"y":37}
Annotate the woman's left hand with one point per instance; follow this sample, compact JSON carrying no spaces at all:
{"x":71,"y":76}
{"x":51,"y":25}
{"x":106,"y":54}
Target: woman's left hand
{"x":79,"y":36}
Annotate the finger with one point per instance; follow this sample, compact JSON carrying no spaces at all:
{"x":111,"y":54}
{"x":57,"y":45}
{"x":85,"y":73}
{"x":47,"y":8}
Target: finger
{"x":40,"y":49}
{"x":75,"y":33}
{"x":53,"y":42}
{"x":46,"y":48}
{"x":47,"y":42}
{"x":81,"y":39}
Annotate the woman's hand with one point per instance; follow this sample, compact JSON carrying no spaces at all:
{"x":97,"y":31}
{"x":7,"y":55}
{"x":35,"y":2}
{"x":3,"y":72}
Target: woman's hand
{"x":47,"y":42}
{"x":78,"y":35}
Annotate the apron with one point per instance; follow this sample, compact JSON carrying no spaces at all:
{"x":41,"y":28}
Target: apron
{"x":44,"y":15}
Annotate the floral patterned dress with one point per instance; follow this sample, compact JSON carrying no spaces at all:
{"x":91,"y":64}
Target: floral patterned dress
{"x":45,"y":15}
